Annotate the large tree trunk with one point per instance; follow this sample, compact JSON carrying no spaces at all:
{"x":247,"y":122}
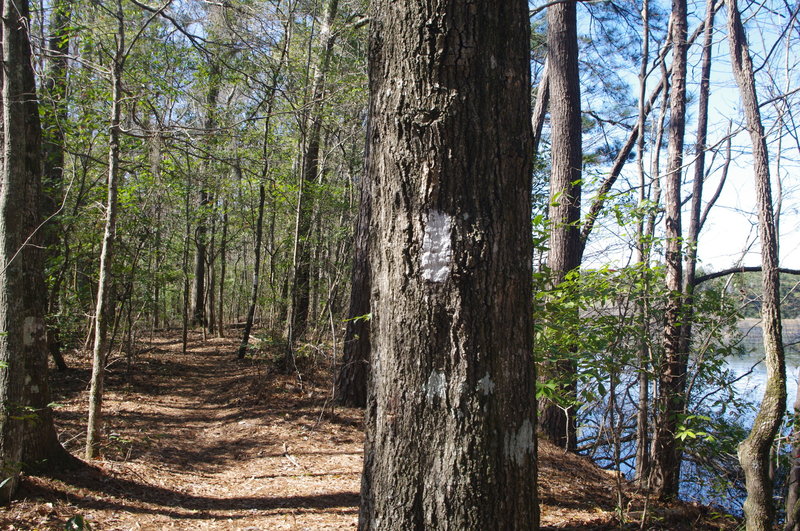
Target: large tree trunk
{"x":42,"y":448}
{"x":103,"y":312}
{"x":23,"y":344}
{"x":755,"y":450}
{"x":557,"y":422}
{"x":672,"y":372}
{"x":451,"y":420}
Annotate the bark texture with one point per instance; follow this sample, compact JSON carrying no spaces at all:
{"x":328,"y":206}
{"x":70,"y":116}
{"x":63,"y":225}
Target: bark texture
{"x":672,"y":373}
{"x":450,"y":413}
{"x":557,"y":422}
{"x":754,"y":451}
{"x":42,"y":447}
{"x":23,"y":344}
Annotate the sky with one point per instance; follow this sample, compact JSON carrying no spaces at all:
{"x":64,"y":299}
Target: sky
{"x":730,"y":235}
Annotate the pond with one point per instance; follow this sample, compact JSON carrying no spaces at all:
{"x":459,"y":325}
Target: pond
{"x":750,"y":366}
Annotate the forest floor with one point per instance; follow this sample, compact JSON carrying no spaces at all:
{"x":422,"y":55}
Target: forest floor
{"x":205,"y":441}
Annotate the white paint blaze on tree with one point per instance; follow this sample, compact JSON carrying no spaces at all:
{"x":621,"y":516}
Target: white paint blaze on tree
{"x":436,"y":249}
{"x":451,"y":409}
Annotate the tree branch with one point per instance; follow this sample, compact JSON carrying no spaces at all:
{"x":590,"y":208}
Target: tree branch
{"x":742,"y":269}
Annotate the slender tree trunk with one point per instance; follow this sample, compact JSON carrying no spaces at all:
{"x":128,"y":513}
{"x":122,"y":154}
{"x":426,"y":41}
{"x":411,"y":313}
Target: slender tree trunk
{"x":642,"y":258}
{"x":155,"y":170}
{"x":672,"y":373}
{"x":186,"y":284}
{"x":210,"y":302}
{"x":265,"y":152}
{"x":557,"y":422}
{"x":222,"y":266}
{"x":54,"y":121}
{"x":793,"y":488}
{"x":351,"y":381}
{"x":199,"y":316}
{"x":297,"y":318}
{"x":102,"y":313}
{"x":198,"y":310}
{"x":697,"y":185}
{"x":540,"y":108}
{"x":451,"y":440}
{"x":754,"y":451}
{"x":256,"y":270}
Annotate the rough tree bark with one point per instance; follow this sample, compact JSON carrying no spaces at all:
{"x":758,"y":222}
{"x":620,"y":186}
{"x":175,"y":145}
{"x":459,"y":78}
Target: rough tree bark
{"x":23,"y":343}
{"x":556,"y":422}
{"x":754,"y":451}
{"x":672,"y":372}
{"x":450,"y":416}
{"x":42,"y":448}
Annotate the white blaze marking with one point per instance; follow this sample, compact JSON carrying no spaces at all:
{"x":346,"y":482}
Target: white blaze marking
{"x":436,"y":249}
{"x":486,"y":385}
{"x":32,"y":328}
{"x":436,"y":387}
{"x":518,"y":445}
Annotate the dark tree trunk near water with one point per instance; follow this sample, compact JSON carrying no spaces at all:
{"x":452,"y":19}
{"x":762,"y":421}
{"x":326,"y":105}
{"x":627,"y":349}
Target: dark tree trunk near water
{"x":557,"y":422}
{"x":670,"y":401}
{"x":451,"y":418}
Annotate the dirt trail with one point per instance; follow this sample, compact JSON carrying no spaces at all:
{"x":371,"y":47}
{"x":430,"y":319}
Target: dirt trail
{"x":204,"y":441}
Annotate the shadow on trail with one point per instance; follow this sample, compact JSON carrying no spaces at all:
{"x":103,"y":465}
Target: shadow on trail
{"x":198,"y":412}
{"x":174,"y":503}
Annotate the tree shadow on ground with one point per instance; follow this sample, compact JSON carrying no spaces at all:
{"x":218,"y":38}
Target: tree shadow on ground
{"x":90,"y":487}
